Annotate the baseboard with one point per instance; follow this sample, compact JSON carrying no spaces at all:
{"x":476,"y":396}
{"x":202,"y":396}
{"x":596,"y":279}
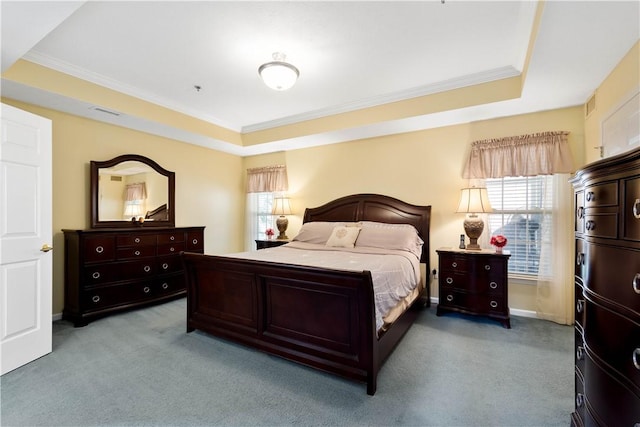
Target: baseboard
{"x":513,"y":311}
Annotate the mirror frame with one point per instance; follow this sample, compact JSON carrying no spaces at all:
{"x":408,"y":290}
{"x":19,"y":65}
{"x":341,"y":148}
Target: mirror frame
{"x":171,"y":193}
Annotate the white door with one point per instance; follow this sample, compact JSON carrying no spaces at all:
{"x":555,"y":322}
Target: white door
{"x":25,"y":238}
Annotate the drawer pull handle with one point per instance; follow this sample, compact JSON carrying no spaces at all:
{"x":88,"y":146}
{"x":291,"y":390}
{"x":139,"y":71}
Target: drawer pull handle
{"x":172,"y":238}
{"x":96,"y":275}
{"x":99,"y":249}
{"x":580,"y":353}
{"x":579,"y":400}
{"x":579,"y":258}
{"x":591,"y":225}
{"x":165,"y":266}
{"x":487,"y":267}
{"x":580,"y":212}
{"x":137,"y":253}
{"x":165,"y":286}
{"x":172,"y":249}
{"x":493,"y":285}
{"x":636,"y":358}
{"x":147,"y":268}
{"x":493,"y":304}
{"x":636,"y":283}
{"x":454,"y":264}
{"x":146,"y":289}
{"x":194,"y":241}
{"x":449,"y":297}
{"x":591,"y":196}
{"x":580,"y":306}
{"x":137,"y":240}
{"x":449,"y":280}
{"x":636,"y":209}
{"x":95,"y":298}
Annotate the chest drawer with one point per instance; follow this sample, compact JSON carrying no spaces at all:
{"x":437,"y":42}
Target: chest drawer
{"x":111,"y":296}
{"x":195,"y":241}
{"x":600,"y":195}
{"x":614,"y":274}
{"x":169,"y":264}
{"x":614,"y":338}
{"x":579,"y":213}
{"x":454,"y":264}
{"x":631,"y":213}
{"x":99,"y":249}
{"x":601,"y":224}
{"x":170,"y":284}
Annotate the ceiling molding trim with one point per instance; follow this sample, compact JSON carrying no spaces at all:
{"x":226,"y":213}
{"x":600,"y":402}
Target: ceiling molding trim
{"x":443,"y":86}
{"x":81,"y":73}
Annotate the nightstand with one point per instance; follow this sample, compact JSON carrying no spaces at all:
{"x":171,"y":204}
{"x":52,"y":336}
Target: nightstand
{"x":474,"y":282}
{"x":262,"y":244}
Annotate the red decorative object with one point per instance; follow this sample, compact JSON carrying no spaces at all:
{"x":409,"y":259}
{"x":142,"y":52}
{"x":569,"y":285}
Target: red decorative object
{"x":499,"y":241}
{"x":269,"y":232}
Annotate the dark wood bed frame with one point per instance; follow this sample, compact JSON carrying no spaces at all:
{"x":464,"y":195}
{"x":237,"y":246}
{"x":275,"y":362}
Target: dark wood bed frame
{"x":318,"y":317}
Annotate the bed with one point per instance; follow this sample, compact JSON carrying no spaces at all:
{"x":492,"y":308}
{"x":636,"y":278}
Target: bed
{"x":320,"y":317}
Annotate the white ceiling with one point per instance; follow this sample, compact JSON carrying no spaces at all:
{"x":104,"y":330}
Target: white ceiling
{"x":351,"y":54}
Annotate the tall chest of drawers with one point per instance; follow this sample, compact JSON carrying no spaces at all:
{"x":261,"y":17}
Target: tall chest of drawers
{"x":607,"y":292}
{"x":107,"y":271}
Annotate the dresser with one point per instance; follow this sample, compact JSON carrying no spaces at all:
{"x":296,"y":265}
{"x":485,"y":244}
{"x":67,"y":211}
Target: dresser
{"x":110,"y":270}
{"x":474,"y":282}
{"x":607,"y":292}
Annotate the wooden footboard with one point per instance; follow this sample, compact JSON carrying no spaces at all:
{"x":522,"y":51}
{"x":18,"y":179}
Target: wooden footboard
{"x":317,"y":317}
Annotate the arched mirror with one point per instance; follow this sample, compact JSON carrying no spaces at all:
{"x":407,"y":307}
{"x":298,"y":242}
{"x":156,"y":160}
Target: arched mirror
{"x":131,"y":191}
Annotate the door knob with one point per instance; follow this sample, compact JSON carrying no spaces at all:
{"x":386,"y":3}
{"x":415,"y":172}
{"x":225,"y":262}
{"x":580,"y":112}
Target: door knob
{"x":46,"y":248}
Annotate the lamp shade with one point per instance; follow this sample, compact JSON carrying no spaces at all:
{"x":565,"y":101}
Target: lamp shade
{"x":281,"y":206}
{"x":474,"y":200}
{"x":132,"y":210}
{"x":278,"y":74}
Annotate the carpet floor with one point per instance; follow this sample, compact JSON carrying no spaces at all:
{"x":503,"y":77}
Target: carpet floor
{"x":140,"y":368}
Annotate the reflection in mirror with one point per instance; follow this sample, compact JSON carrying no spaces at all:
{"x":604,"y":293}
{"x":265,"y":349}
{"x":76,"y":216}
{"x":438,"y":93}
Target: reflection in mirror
{"x":131,"y":190}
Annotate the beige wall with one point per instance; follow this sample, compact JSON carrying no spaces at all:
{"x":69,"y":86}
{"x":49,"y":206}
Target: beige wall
{"x":619,"y":86}
{"x":420,"y":167}
{"x":208,"y":183}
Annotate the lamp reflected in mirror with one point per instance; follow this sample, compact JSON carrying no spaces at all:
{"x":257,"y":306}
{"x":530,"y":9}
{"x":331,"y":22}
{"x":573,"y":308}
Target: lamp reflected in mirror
{"x":473,"y":200}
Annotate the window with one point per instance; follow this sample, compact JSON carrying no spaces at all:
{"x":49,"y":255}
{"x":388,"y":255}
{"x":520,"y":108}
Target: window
{"x":260,"y":216}
{"x":521,"y":211}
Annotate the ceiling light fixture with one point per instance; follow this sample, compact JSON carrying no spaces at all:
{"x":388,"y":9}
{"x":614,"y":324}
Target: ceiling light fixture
{"x":278,"y":74}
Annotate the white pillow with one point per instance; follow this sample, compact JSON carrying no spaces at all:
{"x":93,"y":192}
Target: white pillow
{"x":317,"y":232}
{"x":402,"y":237}
{"x":343,"y":236}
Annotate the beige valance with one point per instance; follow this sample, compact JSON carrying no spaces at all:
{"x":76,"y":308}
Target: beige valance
{"x":543,"y":153}
{"x":137,"y":191}
{"x":267,"y":179}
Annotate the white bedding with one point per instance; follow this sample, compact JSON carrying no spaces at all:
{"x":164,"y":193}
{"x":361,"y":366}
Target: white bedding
{"x":395,"y":273}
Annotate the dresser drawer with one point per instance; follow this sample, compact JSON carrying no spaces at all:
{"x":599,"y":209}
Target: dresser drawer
{"x":631,"y":213}
{"x":98,"y":274}
{"x":134,"y":269}
{"x":169,"y":285}
{"x":579,"y":306}
{"x":580,"y":402}
{"x":99,"y":248}
{"x":614,"y":338}
{"x":453,"y":263}
{"x":601,"y":195}
{"x":136,"y":252}
{"x":112,"y":296}
{"x":579,"y":351}
{"x":170,"y":249}
{"x":479,"y":304}
{"x":579,"y":212}
{"x":614,"y":274}
{"x":167,"y":238}
{"x":169,"y":264}
{"x":601,"y":224}
{"x":581,"y":258}
{"x":195,"y":241}
{"x":139,"y":239}
{"x":611,"y":402}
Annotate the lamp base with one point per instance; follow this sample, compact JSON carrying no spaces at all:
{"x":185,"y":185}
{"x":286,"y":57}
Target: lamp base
{"x":473,"y":227}
{"x":282,"y":223}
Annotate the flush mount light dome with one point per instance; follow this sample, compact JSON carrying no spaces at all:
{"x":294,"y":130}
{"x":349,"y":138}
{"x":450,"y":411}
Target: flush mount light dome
{"x":278,"y":74}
